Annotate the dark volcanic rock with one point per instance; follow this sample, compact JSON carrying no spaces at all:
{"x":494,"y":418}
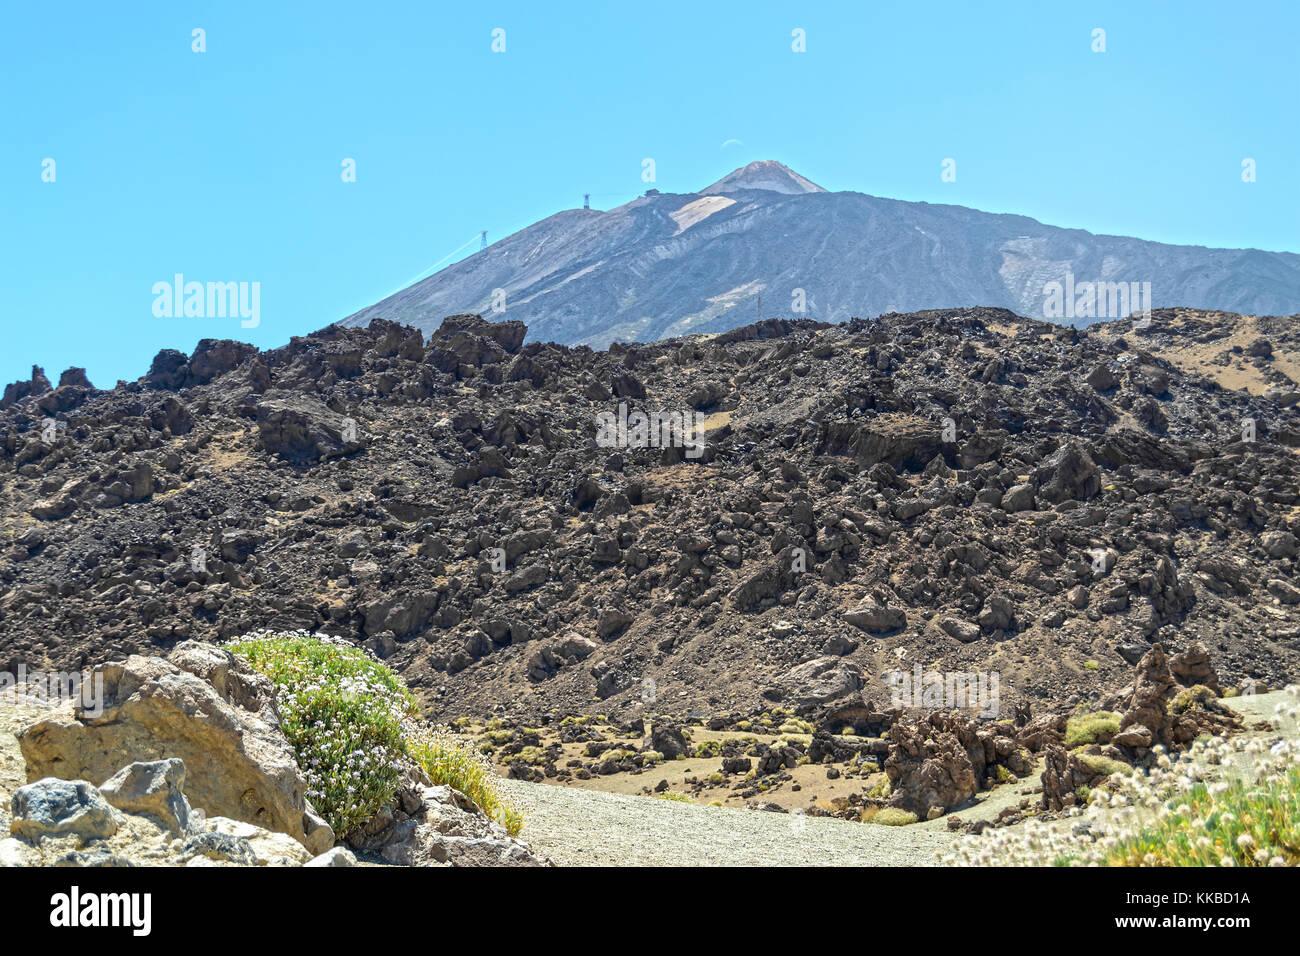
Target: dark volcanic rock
{"x":953,"y":489}
{"x":302,"y":430}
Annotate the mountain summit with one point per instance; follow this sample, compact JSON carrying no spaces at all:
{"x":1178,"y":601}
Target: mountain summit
{"x":668,"y":264}
{"x":766,"y":174}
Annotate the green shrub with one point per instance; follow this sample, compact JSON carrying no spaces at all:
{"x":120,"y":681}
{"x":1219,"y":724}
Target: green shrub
{"x":1104,"y":765}
{"x":450,"y":764}
{"x":354,"y":726}
{"x":342,"y":712}
{"x":528,"y":755}
{"x":1192,"y":698}
{"x":1091,"y":728}
{"x":882,"y":789}
{"x":892,"y":817}
{"x":710,"y":748}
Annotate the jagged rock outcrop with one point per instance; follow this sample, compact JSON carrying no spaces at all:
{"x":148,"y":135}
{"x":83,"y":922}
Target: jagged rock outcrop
{"x":934,"y":764}
{"x":820,"y":681}
{"x":15,"y":392}
{"x":1146,"y":722}
{"x":1064,"y":774}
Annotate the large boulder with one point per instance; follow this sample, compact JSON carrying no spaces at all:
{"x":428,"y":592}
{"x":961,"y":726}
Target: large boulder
{"x":904,"y":441}
{"x":1192,"y":667}
{"x":669,"y":740}
{"x":239,"y":763}
{"x":404,"y":613}
{"x":299,"y":429}
{"x":821,"y":680}
{"x":876,"y":618}
{"x":458,"y":332}
{"x":215,"y":357}
{"x":1068,"y":474}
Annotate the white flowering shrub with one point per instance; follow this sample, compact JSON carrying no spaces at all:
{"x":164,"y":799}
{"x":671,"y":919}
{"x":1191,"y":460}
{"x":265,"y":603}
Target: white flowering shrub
{"x":342,"y":712}
{"x":1224,"y":802}
{"x":354,"y":726}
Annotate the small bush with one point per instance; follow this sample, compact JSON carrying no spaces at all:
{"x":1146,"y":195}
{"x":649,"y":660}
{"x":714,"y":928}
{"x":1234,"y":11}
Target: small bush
{"x":448,"y":763}
{"x":882,"y":789}
{"x":1104,"y":765}
{"x":529,"y":755}
{"x":1192,"y":698}
{"x":710,"y":748}
{"x":890,"y":817}
{"x":675,"y":797}
{"x":1091,"y":728}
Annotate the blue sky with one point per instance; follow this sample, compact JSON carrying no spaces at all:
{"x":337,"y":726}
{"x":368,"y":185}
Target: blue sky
{"x":225,"y":165}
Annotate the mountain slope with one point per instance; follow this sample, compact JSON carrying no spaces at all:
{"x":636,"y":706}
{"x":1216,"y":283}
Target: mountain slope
{"x":674,"y":264}
{"x":949,"y":477}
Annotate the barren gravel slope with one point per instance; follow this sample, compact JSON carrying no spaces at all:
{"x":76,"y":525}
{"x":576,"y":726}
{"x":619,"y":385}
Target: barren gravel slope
{"x":588,"y":828}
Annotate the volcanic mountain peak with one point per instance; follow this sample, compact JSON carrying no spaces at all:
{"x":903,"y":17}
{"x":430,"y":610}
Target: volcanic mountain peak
{"x":675,"y":264}
{"x":766,"y":174}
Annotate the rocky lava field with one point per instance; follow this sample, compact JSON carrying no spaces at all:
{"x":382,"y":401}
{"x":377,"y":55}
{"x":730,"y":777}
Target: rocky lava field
{"x":963,"y":490}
